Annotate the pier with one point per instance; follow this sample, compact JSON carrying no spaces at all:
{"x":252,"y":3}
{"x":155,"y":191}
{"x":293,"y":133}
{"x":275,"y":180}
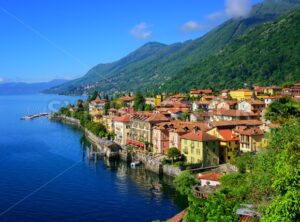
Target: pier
{"x":33,"y":116}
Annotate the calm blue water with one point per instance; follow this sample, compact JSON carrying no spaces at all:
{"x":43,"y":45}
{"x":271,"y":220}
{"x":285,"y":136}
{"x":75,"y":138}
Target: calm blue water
{"x":44,"y":175}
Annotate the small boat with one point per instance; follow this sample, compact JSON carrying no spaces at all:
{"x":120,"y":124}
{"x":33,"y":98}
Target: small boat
{"x":135,"y":163}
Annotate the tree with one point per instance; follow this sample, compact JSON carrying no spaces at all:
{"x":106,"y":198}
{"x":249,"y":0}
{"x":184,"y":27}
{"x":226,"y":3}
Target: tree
{"x":287,"y":84}
{"x":80,"y":105}
{"x":93,"y":96}
{"x":148,"y":107}
{"x":283,"y":111}
{"x":173,"y":153}
{"x":184,"y":183}
{"x":138,"y":101}
{"x":106,"y":97}
{"x":106,"y":108}
{"x":286,"y":179}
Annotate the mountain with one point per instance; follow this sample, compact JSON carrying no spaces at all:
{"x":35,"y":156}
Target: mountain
{"x":269,"y":54}
{"x":154,"y":64}
{"x":15,"y":88}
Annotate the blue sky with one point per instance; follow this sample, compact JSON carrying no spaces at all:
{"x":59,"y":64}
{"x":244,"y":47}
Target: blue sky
{"x":43,"y":40}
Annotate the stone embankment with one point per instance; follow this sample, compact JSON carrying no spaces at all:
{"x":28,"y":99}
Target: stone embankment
{"x":150,"y":162}
{"x":107,"y":147}
{"x":113,"y":150}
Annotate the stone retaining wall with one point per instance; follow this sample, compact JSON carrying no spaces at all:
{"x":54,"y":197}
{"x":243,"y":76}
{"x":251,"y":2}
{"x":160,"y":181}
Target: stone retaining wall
{"x":112,"y":150}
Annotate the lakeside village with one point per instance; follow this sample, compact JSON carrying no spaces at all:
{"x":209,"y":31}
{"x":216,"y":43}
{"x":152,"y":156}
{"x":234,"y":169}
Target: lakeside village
{"x":201,"y":131}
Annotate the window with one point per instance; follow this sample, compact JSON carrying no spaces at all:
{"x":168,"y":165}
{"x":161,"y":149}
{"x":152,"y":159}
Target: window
{"x":198,"y":151}
{"x":192,"y":159}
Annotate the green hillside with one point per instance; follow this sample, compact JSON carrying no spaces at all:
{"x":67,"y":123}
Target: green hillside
{"x":154,"y":64}
{"x":266,"y":55}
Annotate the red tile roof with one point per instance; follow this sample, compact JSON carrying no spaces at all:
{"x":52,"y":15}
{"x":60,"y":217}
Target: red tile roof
{"x":199,"y":136}
{"x":255,"y":102}
{"x":182,"y":126}
{"x":157,"y":117}
{"x":210,"y":176}
{"x":126,"y":98}
{"x":274,"y":97}
{"x":228,"y":135}
{"x":201,"y":91}
{"x":172,"y":109}
{"x":231,"y":112}
{"x":237,"y":123}
{"x":203,"y":102}
{"x":244,"y":130}
{"x":124,"y":118}
{"x":209,"y":97}
{"x":98,"y":100}
{"x":174,"y":103}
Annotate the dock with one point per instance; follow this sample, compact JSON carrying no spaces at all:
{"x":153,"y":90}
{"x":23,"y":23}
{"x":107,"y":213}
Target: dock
{"x":33,"y":116}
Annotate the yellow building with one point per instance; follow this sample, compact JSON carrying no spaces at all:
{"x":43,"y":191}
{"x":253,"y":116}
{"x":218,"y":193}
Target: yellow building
{"x":200,"y":147}
{"x":241,"y":94}
{"x":272,"y":90}
{"x":96,"y":115}
{"x":158,"y":100}
{"x":251,"y":139}
{"x":229,"y":143}
{"x":108,"y":123}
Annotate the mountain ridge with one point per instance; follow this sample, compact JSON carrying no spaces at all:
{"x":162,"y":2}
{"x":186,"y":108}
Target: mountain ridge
{"x":153,"y":64}
{"x":16,"y":88}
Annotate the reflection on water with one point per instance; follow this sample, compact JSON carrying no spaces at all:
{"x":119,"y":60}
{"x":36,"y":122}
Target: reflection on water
{"x":32,"y":153}
{"x":150,"y":185}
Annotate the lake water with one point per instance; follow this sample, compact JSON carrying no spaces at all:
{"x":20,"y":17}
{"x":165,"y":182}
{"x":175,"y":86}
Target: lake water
{"x":45,"y":175}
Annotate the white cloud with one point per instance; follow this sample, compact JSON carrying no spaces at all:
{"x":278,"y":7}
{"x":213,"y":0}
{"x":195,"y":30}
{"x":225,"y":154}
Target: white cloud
{"x":192,"y":26}
{"x":233,"y":9}
{"x":237,"y":8}
{"x":1,"y":80}
{"x":141,"y":31}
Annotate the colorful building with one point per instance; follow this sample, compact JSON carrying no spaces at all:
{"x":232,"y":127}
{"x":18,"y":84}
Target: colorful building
{"x":141,"y":125}
{"x":200,"y":92}
{"x":229,"y":143}
{"x":255,"y":106}
{"x":272,"y":90}
{"x":121,"y":129}
{"x":251,"y":139}
{"x":241,"y":94}
{"x":200,"y":147}
{"x":107,"y":121}
{"x":160,"y":138}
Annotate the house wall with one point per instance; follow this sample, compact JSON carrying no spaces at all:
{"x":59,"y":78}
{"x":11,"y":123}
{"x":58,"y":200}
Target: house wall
{"x":174,"y":140}
{"x":156,"y":141}
{"x":201,"y":152}
{"x":140,"y":131}
{"x":252,"y":143}
{"x":121,"y":133}
{"x":204,"y":182}
{"x":244,"y":106}
{"x":240,"y":95}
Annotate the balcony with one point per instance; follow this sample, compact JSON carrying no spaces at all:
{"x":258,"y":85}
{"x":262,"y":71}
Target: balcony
{"x":203,"y":191}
